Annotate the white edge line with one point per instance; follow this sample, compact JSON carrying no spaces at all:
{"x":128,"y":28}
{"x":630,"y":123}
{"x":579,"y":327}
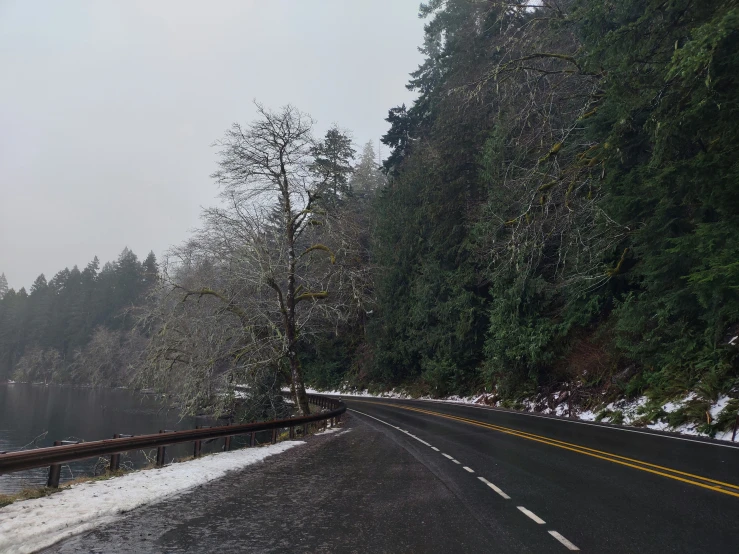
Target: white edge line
{"x":496,"y":489}
{"x":394,"y":427}
{"x":532,"y":515}
{"x":456,"y":461}
{"x":469,"y":469}
{"x":434,"y":448}
{"x":563,"y":540}
{"x":447,"y":456}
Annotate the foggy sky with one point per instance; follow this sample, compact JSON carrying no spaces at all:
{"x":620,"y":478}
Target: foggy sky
{"x":108,"y":109}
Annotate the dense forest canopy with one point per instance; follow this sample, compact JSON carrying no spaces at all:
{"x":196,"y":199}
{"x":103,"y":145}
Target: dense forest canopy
{"x":563,"y":205}
{"x":558,"y":212}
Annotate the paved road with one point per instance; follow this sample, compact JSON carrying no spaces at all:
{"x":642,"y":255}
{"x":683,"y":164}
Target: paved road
{"x":596,"y":488}
{"x":431,"y":477}
{"x":358,"y":490}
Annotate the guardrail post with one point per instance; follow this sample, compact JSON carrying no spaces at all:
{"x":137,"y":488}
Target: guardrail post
{"x":161,"y":451}
{"x":253,"y":441}
{"x":55,"y":472}
{"x":199,"y":443}
{"x":115,"y":459}
{"x":198,"y":446}
{"x":227,"y":441}
{"x":274,"y":436}
{"x":292,"y":432}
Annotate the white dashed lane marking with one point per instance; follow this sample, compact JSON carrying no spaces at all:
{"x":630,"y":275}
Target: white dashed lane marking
{"x":532,"y":515}
{"x":496,"y":489}
{"x":566,"y":543}
{"x":563,"y":540}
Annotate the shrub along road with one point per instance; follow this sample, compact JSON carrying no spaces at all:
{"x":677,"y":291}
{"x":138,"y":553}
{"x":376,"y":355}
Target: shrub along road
{"x":430,"y":477}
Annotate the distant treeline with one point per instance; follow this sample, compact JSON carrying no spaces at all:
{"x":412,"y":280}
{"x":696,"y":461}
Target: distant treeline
{"x":77,"y":326}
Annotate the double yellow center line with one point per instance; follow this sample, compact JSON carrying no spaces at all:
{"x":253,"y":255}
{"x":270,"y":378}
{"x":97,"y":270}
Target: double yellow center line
{"x":689,"y":478}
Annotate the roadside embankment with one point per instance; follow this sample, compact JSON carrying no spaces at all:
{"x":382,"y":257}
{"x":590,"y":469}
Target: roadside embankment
{"x":688,"y":414}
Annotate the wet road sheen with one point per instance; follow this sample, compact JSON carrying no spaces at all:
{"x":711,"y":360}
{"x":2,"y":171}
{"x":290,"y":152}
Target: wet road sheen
{"x":353,"y":491}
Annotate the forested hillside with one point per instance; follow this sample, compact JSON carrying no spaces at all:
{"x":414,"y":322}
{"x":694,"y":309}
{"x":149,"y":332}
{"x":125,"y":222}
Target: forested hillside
{"x":563,"y":208}
{"x":77,"y":326}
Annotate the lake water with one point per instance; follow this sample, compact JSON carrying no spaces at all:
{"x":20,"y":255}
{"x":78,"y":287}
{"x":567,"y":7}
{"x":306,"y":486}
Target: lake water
{"x":34,"y":416}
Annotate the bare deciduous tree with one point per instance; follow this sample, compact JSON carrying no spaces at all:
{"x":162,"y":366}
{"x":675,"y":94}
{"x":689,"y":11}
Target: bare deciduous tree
{"x":268,"y":268}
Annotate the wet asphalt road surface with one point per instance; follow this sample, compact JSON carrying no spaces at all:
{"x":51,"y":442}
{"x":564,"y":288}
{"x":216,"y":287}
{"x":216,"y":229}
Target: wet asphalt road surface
{"x":602,"y":488}
{"x":359,"y":490}
{"x":412,"y":476}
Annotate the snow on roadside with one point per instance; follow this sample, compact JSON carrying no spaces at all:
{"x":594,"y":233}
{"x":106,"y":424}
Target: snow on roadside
{"x":31,"y":525}
{"x":630,"y":410}
{"x":398,"y":395}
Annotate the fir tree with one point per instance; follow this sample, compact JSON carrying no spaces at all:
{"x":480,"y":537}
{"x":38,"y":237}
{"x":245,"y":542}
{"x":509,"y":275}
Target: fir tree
{"x":332,"y":164}
{"x":367,"y":176}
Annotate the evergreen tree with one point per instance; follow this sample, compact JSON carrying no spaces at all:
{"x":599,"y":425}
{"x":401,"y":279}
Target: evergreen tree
{"x":398,"y":138}
{"x":150,"y":270}
{"x":367,"y":176}
{"x":668,"y":115}
{"x":431,"y":321}
{"x":332,"y":164}
{"x":3,"y":285}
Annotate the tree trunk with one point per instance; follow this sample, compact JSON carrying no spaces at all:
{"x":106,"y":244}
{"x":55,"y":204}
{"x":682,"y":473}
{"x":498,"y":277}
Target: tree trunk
{"x":298,"y":385}
{"x":293,"y":394}
{"x":290,"y":333}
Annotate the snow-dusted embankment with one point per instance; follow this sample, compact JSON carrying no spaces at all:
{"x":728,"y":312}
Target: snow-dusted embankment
{"x":30,"y":525}
{"x":630,"y":412}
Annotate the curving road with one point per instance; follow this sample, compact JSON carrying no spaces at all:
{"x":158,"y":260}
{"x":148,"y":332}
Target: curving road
{"x":556,"y":485}
{"x":415,"y":476}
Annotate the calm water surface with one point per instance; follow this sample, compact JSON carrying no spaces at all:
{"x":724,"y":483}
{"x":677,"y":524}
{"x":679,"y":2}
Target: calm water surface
{"x":34,"y":416}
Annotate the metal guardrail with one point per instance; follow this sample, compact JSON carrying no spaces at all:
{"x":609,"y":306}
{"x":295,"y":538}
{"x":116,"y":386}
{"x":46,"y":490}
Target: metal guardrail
{"x":62,"y":452}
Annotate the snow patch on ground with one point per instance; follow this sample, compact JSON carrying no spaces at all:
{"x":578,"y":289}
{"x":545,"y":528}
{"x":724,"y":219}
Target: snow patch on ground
{"x":399,"y":395}
{"x":719,"y":406}
{"x":330,"y":430}
{"x":31,"y":525}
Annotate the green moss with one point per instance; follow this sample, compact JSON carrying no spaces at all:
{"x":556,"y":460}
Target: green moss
{"x":26,"y":494}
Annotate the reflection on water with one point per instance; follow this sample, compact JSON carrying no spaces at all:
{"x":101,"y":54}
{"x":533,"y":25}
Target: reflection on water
{"x":34,"y":416}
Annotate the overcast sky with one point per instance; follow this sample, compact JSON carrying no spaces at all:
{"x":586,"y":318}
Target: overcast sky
{"x":108,"y":109}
